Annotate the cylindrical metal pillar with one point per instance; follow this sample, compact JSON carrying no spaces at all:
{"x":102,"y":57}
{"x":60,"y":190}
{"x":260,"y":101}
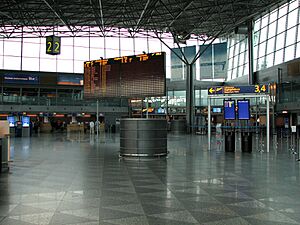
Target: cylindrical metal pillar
{"x":209,"y":125}
{"x":189,"y":97}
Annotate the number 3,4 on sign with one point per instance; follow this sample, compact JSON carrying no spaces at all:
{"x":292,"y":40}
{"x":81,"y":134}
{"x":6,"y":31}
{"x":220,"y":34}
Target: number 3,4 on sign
{"x":53,"y":45}
{"x":260,"y":88}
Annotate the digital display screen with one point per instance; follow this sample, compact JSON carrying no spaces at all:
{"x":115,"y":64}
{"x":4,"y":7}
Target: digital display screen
{"x":217,"y":110}
{"x":20,"y":79}
{"x":229,"y":109}
{"x":128,"y":76}
{"x":74,"y":80}
{"x":11,"y":121}
{"x":161,"y":110}
{"x":243,"y":109}
{"x":25,"y":121}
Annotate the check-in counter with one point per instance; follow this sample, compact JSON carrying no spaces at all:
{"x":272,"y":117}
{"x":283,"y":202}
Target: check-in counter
{"x":45,"y":128}
{"x":73,"y":127}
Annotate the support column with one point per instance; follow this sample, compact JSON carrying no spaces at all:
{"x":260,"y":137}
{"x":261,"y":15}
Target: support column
{"x":189,"y":97}
{"x":250,"y":52}
{"x":268,"y":124}
{"x":97,"y":117}
{"x":209,"y":124}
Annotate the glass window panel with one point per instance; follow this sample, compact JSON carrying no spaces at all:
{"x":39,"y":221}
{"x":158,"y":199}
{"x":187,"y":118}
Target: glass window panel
{"x":255,"y":65}
{"x":31,"y":64}
{"x":231,"y":52}
{"x":81,"y":53}
{"x":155,"y":45}
{"x":270,"y":45}
{"x":66,"y":52}
{"x":243,"y":46}
{"x":112,"y":52}
{"x":282,"y":11}
{"x":31,"y":49}
{"x":1,"y":61}
{"x":293,"y":5}
{"x":262,"y":63}
{"x":273,"y":16}
{"x":1,"y":46}
{"x":298,"y":50}
{"x":12,"y":47}
{"x":81,"y":41}
{"x":240,"y":71}
{"x":242,"y":59}
{"x":255,"y":38}
{"x":262,"y":49}
{"x":278,"y":57}
{"x":141,"y":45}
{"x":48,"y":64}
{"x":263,"y":34}
{"x":246,"y":69}
{"x":96,"y":53}
{"x":97,"y":42}
{"x":234,"y":71}
{"x":65,"y":66}
{"x":292,"y":19}
{"x":280,"y":41}
{"x":31,"y":40}
{"x":290,"y":36}
{"x":298,"y":35}
{"x":78,"y":66}
{"x":289,"y":53}
{"x":230,"y":61}
{"x":269,"y":60}
{"x":281,"y":24}
{"x":264,"y":21}
{"x":126,"y":46}
{"x":66,"y":41}
{"x":235,"y":61}
{"x":255,"y":52}
{"x":237,"y":49}
{"x":257,"y":25}
{"x":112,"y":47}
{"x":12,"y":63}
{"x":272,"y":29}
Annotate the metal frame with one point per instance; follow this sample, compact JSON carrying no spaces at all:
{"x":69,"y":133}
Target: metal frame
{"x":182,"y":18}
{"x":209,"y":97}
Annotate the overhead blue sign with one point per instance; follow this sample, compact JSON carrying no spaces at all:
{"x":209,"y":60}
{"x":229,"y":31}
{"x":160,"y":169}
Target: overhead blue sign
{"x":20,"y":78}
{"x":250,"y":89}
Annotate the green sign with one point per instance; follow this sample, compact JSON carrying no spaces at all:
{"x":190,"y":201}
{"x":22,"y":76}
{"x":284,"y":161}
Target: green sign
{"x":53,"y":45}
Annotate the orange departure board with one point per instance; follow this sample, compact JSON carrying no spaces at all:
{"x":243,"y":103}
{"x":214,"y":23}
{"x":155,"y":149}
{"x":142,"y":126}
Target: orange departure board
{"x":128,"y":76}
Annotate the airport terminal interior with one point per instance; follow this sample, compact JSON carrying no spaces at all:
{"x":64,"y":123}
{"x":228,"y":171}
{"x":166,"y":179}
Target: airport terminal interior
{"x":150,"y":112}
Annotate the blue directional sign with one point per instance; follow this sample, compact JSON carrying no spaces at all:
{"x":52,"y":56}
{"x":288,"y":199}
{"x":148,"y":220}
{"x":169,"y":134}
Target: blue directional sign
{"x":250,"y":89}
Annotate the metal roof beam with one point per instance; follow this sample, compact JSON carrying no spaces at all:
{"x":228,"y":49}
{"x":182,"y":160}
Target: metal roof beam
{"x":59,"y":16}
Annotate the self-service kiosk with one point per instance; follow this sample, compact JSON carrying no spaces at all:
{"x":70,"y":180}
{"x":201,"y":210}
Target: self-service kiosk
{"x":25,"y":126}
{"x":12,"y":124}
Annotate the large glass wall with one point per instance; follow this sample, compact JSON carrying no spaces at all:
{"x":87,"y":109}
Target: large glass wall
{"x":30,"y":53}
{"x":276,"y":40}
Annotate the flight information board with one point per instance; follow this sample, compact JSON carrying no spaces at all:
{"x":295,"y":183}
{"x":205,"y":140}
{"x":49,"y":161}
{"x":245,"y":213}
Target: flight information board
{"x":128,"y":76}
{"x":229,"y":109}
{"x":243,"y":109}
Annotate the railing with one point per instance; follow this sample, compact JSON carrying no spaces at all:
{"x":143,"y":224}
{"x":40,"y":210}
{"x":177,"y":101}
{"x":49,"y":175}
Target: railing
{"x":46,"y":101}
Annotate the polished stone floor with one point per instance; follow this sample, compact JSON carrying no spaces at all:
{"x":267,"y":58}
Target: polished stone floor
{"x":77,"y":179}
